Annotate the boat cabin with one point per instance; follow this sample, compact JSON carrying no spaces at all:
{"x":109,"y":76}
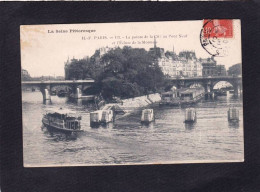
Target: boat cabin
{"x":186,"y":95}
{"x":169,"y":96}
{"x":191,"y":93}
{"x":62,"y":119}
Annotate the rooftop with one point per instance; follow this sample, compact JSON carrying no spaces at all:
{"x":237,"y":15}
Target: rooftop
{"x":60,"y":111}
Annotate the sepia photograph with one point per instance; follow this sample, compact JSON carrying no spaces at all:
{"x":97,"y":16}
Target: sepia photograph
{"x":132,"y":93}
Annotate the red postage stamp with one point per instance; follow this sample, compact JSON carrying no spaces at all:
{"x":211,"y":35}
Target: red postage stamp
{"x":216,"y":35}
{"x":220,"y":28}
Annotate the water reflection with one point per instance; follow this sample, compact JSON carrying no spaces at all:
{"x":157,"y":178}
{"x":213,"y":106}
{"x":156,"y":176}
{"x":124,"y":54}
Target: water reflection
{"x":147,"y":125}
{"x":79,"y":102}
{"x":59,"y":136}
{"x":233,"y":124}
{"x":103,"y":126}
{"x":46,"y":102}
{"x":190,"y":126}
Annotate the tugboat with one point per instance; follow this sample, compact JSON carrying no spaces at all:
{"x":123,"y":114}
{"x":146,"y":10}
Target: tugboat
{"x":62,"y":120}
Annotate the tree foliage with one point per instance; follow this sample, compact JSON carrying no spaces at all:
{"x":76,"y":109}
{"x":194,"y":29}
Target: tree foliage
{"x":124,"y":72}
{"x":84,"y":68}
{"x":235,"y":69}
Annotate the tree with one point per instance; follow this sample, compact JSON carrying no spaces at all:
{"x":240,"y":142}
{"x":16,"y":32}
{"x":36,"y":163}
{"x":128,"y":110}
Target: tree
{"x":235,"y":69}
{"x":170,"y":54}
{"x":83,"y":69}
{"x":130,"y":72}
{"x":25,"y":76}
{"x":124,"y":72}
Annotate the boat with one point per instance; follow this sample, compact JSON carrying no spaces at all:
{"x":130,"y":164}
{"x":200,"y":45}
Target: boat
{"x":184,"y":96}
{"x":191,"y":95}
{"x":62,"y":120}
{"x":170,"y":98}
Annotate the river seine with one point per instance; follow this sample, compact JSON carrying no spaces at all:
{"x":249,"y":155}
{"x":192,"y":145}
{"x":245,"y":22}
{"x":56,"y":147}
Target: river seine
{"x":167,"y":140}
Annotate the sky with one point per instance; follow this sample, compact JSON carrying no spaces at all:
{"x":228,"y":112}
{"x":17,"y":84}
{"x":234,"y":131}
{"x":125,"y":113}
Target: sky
{"x":45,"y":48}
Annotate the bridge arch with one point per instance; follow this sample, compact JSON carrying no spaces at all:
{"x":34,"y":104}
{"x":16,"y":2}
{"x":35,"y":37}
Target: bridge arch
{"x":89,"y":90}
{"x":60,"y":87}
{"x":209,"y":82}
{"x":194,"y":84}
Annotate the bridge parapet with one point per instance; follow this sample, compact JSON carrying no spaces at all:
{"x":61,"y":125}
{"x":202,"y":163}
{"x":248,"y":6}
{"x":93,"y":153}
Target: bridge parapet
{"x":68,"y":82}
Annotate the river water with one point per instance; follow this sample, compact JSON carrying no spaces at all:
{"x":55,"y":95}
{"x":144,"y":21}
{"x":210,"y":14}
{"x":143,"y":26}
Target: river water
{"x":167,"y":140}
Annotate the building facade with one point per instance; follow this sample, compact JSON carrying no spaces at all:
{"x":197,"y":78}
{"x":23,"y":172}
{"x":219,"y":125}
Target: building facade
{"x":209,"y":67}
{"x":221,"y":70}
{"x":184,"y":65}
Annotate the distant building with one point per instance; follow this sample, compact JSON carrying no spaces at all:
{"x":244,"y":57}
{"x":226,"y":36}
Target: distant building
{"x":48,"y":78}
{"x":185,"y":64}
{"x":59,"y":78}
{"x":209,"y":67}
{"x":221,"y":70}
{"x":156,"y":51}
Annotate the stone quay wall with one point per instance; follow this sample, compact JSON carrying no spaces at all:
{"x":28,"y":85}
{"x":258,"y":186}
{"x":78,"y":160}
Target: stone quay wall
{"x":135,"y":103}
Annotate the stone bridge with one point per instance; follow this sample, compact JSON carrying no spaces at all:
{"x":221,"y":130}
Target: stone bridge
{"x":208,"y":82}
{"x":76,"y":86}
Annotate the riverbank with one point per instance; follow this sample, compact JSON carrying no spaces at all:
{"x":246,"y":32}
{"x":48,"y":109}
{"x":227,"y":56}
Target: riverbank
{"x":132,"y":105}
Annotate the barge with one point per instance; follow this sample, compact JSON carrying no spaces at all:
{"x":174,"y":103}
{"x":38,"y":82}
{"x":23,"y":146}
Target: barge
{"x":185,"y":96}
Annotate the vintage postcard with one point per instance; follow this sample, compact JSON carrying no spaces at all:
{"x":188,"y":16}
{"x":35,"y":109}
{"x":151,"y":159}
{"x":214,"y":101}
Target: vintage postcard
{"x":132,"y":93}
